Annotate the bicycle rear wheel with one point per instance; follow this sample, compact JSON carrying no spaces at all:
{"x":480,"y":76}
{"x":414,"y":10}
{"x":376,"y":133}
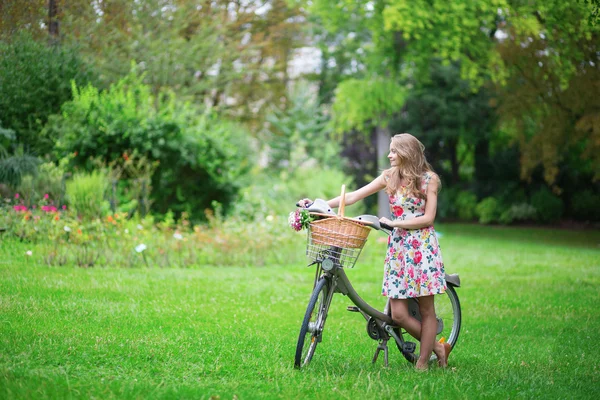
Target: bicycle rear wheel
{"x":448,"y":314}
{"x":314,"y":321}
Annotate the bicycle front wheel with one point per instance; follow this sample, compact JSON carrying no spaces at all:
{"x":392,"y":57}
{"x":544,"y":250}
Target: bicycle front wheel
{"x":314,"y":321}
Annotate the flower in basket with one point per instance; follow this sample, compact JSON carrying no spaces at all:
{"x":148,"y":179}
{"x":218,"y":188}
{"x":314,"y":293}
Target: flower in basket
{"x":300,"y":219}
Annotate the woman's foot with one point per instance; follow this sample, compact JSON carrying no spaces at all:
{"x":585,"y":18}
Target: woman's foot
{"x":442,"y":351}
{"x":421,"y":366}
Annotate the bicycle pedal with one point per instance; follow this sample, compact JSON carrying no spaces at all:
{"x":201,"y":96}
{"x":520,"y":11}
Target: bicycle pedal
{"x":409,"y":347}
{"x":352,"y":309}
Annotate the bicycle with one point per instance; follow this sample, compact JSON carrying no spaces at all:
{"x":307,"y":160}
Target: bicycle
{"x":334,"y":243}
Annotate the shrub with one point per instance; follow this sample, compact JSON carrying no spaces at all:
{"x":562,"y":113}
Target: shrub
{"x":488,"y":210}
{"x":585,"y":206}
{"x":447,"y":203}
{"x":518,"y":212}
{"x":85,"y":192}
{"x":549,"y":207}
{"x":465,"y":205}
{"x":36,"y":80}
{"x":202,"y":157}
{"x":46,"y":185}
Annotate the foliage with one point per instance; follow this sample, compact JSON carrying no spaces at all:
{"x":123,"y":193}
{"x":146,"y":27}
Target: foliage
{"x":549,"y":206}
{"x":466,"y":202}
{"x":46,"y":184}
{"x":298,"y":134}
{"x":71,"y":237}
{"x":234,"y":56}
{"x":454,"y":123}
{"x":446,"y":204}
{"x":36,"y":79}
{"x":15,"y":166}
{"x":202,"y":157}
{"x":364,"y":103}
{"x":488,"y":210}
{"x":470,"y":30}
{"x":544,"y":51}
{"x":585,"y":206}
{"x":277,"y":195}
{"x":518,"y":212}
{"x":86,"y":194}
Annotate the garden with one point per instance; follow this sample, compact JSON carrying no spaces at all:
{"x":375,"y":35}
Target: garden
{"x":152,"y":154}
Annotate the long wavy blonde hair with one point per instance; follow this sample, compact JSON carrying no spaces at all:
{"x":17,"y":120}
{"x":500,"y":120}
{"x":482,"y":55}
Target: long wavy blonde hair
{"x":411,"y":167}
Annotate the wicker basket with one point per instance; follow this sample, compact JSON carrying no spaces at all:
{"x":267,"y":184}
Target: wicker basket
{"x":339,"y":232}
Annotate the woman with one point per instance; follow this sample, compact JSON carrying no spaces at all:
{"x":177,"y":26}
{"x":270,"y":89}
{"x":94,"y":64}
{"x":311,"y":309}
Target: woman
{"x":413,"y":264}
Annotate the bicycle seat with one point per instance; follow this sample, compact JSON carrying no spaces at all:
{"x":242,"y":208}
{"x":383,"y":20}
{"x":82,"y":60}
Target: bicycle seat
{"x":320,"y":206}
{"x":370,"y":220}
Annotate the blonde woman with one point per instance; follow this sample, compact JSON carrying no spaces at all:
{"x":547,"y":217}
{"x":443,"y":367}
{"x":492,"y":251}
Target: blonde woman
{"x":413,"y":264}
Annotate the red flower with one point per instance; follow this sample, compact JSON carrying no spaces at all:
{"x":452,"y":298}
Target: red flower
{"x":398,"y":211}
{"x":415,"y":243}
{"x":418,"y":257}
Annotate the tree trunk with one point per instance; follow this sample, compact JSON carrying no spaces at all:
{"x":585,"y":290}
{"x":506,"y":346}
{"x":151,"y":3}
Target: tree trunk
{"x":383,"y":147}
{"x":52,"y":18}
{"x":454,"y":164}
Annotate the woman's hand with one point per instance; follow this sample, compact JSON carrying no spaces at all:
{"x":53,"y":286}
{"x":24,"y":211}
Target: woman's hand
{"x":304,"y":203}
{"x":387,"y":221}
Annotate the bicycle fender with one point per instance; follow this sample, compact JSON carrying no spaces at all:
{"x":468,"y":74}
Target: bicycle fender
{"x":453,"y":279}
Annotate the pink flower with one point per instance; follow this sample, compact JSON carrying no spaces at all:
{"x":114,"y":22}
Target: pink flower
{"x":418,"y":257}
{"x":20,"y":208}
{"x":46,"y":196}
{"x":64,"y":207}
{"x":398,"y":211}
{"x":16,"y":195}
{"x":415,"y":243}
{"x":49,"y":208}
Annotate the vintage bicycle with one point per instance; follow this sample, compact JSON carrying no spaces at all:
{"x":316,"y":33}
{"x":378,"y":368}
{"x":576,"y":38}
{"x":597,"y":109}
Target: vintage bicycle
{"x":334,"y":243}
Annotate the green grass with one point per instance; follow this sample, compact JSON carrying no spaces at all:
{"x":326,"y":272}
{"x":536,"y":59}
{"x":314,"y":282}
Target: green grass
{"x":529,"y":298}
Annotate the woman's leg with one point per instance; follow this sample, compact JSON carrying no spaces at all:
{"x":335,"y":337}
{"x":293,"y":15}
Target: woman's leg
{"x":402,"y":318}
{"x":416,"y":329}
{"x":428,"y":330}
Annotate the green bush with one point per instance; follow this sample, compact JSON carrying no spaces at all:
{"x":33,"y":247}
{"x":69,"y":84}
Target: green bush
{"x":585,"y":206}
{"x":447,"y":203}
{"x":521,"y":212}
{"x":85,"y":192}
{"x":465,"y":205}
{"x":202,"y":157}
{"x":46,"y":186}
{"x":488,"y":210}
{"x":35,"y":80}
{"x":549,"y":207}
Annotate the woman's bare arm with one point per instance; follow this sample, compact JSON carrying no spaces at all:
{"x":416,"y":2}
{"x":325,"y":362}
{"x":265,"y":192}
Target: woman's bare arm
{"x":352,"y":197}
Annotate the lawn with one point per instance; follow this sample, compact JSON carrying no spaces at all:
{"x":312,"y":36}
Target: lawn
{"x":529,"y":299}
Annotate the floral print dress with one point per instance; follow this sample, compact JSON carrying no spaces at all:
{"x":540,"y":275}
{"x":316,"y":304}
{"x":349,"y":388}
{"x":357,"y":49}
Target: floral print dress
{"x":413,"y":263}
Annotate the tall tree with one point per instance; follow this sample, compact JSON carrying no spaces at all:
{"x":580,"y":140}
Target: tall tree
{"x":371,"y":94}
{"x":228,"y":55}
{"x":539,"y":48}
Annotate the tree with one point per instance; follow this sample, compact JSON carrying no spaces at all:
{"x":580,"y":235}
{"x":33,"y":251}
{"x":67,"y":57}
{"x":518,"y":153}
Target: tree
{"x":454,"y":123}
{"x":539,"y":48}
{"x":367,"y":99}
